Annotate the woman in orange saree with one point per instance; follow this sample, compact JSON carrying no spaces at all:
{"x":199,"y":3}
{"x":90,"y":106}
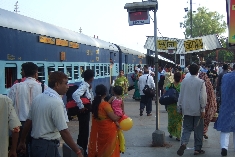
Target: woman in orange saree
{"x":103,"y":140}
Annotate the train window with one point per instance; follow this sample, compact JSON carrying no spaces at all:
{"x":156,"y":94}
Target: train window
{"x":61,"y":68}
{"x":108,"y":66}
{"x":76,"y":76}
{"x":88,"y":67}
{"x":93,"y":68}
{"x":82,"y":71}
{"x":50,"y":69}
{"x":69,"y":72}
{"x":101,"y":70}
{"x":97,"y":70}
{"x":105,"y":70}
{"x":10,"y":75}
{"x":123,"y":68}
{"x":41,"y":73}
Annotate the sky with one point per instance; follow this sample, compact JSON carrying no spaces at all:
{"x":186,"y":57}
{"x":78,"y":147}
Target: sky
{"x":108,"y":19}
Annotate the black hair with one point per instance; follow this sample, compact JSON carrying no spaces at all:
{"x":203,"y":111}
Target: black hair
{"x":177,"y":77}
{"x":23,"y":66}
{"x":139,"y":66}
{"x":225,"y":66}
{"x":233,"y":66}
{"x":168,"y":66}
{"x":179,"y":68}
{"x":118,"y":90}
{"x":193,"y":69}
{"x":212,"y":66}
{"x":29,"y":69}
{"x":56,"y":77}
{"x":100,"y":90}
{"x":88,"y":74}
{"x":70,"y":92}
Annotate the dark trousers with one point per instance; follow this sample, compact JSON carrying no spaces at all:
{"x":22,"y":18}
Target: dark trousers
{"x":83,"y":135}
{"x":160,"y":89}
{"x":27,"y":142}
{"x":193,"y":123}
{"x":146,"y":101}
{"x":45,"y":148}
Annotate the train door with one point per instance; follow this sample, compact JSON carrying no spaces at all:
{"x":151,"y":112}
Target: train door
{"x":110,"y":68}
{"x":10,"y":74}
{"x":125,"y":67}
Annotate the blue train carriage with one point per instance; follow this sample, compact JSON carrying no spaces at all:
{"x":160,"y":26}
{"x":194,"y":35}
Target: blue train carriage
{"x":52,"y":48}
{"x":128,"y":59}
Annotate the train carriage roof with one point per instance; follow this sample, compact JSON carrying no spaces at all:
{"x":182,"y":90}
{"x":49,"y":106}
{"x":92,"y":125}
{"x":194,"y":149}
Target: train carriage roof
{"x":130,"y":51}
{"x":22,"y":23}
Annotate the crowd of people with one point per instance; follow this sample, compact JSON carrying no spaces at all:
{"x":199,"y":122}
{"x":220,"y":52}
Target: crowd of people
{"x":203,"y":94}
{"x":37,"y":118}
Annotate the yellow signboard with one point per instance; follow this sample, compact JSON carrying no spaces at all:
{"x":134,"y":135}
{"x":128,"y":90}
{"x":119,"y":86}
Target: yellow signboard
{"x":62,"y":42}
{"x":46,"y":40}
{"x":164,"y":44}
{"x":191,"y":45}
{"x":73,"y":45}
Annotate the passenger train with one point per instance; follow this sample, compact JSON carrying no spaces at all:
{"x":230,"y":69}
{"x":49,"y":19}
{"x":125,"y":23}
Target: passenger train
{"x":52,"y":48}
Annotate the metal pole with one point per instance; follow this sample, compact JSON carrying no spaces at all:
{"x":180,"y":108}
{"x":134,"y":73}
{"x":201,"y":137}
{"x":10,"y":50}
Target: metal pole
{"x":191,"y":25}
{"x":175,"y":56}
{"x":156,"y":68}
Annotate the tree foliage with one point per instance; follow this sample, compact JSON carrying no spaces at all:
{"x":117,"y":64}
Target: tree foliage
{"x":204,"y":22}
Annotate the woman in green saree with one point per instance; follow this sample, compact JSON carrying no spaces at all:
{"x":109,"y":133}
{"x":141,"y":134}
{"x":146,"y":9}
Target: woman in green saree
{"x":136,"y":94}
{"x":174,"y":118}
{"x":122,"y":81}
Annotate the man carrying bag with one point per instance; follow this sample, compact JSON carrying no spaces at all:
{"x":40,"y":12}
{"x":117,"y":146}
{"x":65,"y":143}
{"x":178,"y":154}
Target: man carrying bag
{"x":146,"y":100}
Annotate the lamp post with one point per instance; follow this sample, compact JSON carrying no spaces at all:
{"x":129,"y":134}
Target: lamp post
{"x":158,"y":136}
{"x":191,"y":25}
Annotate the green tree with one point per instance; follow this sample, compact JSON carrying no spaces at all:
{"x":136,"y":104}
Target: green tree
{"x":204,"y":22}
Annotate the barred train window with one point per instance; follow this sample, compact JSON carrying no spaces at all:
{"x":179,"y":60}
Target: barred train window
{"x":10,"y":75}
{"x":69,"y":72}
{"x":61,"y":68}
{"x":101,"y":70}
{"x":105,"y":69}
{"x":97,"y":70}
{"x":41,"y":73}
{"x":81,"y":70}
{"x":75,"y":76}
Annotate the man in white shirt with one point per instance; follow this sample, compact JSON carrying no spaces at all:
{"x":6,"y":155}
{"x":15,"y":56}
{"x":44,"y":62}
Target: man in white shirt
{"x":84,"y":88}
{"x":145,"y":79}
{"x":191,"y":103}
{"x":23,"y":93}
{"x":47,"y":120}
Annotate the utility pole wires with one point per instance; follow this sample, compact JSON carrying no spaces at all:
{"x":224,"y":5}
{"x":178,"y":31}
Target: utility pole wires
{"x":16,"y":10}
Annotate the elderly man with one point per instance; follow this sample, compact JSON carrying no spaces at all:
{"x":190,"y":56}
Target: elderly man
{"x":226,"y":120}
{"x":192,"y":103}
{"x":8,"y":120}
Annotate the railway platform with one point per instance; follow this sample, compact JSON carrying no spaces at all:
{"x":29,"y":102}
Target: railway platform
{"x":139,"y":138}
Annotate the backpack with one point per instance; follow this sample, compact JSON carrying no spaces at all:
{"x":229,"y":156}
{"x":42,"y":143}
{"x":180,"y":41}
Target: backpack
{"x":150,"y":92}
{"x":133,"y":77}
{"x":170,"y":97}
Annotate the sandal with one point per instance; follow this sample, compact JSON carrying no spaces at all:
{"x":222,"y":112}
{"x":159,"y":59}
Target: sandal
{"x":180,"y":151}
{"x":177,"y":139}
{"x":205,"y":136}
{"x":198,"y":152}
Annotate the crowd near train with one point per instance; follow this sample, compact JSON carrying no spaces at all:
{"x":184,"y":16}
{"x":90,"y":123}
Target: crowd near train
{"x":53,"y":48}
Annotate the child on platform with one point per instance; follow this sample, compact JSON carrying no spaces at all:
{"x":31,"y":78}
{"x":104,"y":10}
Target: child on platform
{"x":117,"y":102}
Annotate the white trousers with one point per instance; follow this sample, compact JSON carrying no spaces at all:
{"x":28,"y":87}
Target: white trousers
{"x":224,"y":140}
